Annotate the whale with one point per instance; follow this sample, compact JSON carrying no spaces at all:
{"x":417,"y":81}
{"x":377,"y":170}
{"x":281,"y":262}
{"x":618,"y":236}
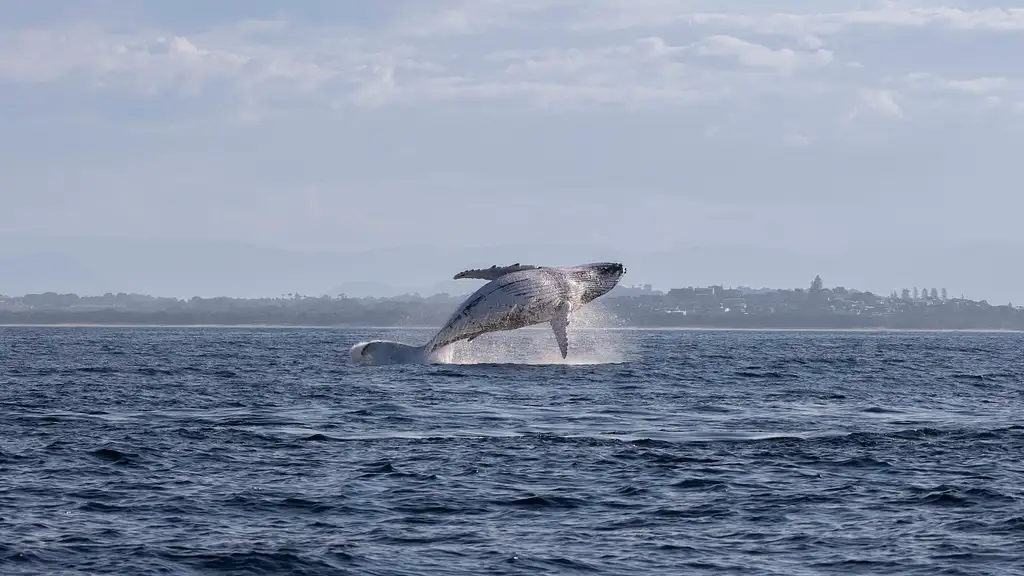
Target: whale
{"x":514,"y":297}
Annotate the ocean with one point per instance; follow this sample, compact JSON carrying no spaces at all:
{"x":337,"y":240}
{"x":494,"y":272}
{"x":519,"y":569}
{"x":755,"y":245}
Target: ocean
{"x":261,"y":451}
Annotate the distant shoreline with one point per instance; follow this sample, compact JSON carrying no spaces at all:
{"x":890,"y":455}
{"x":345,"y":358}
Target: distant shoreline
{"x":539,"y":328}
{"x":714,"y":308}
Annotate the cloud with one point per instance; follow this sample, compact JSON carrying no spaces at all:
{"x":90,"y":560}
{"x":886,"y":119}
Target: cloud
{"x":151,"y":62}
{"x":471,"y":17}
{"x":946,"y":95}
{"x":530,"y":53}
{"x":758,"y":56}
{"x":613,"y":15}
{"x":983,"y":85}
{"x":979,"y":85}
{"x":881,"y":102}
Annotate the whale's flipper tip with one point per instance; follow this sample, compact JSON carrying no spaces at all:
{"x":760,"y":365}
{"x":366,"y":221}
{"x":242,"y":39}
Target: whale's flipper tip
{"x":559,"y":322}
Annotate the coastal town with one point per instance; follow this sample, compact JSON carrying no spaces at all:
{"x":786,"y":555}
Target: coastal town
{"x":813,"y":307}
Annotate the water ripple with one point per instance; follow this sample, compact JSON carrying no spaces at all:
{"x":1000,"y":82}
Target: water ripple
{"x":247,"y":451}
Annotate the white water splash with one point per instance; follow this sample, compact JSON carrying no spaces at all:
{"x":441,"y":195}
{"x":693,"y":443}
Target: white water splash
{"x":590,"y":342}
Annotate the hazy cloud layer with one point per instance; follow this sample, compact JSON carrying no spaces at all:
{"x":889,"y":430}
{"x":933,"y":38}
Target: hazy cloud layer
{"x":335,"y":125}
{"x":535,"y":52}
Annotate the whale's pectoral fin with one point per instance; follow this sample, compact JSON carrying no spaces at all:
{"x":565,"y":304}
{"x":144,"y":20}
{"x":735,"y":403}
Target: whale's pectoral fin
{"x":493,"y":272}
{"x":559,"y":322}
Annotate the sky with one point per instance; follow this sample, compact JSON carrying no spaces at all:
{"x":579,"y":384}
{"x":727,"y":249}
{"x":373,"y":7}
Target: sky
{"x":863,"y":128}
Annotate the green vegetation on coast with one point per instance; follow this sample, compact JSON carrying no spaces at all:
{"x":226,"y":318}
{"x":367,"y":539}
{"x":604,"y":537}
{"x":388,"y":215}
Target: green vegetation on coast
{"x":815,"y":307}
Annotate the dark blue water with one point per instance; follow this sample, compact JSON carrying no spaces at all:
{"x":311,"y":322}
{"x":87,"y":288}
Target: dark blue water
{"x":244,"y":451}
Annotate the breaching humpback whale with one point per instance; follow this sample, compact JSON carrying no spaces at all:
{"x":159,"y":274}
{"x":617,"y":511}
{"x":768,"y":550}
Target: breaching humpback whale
{"x":516,"y":296}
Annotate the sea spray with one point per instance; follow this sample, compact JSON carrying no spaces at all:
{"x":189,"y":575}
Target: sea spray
{"x":591,"y":341}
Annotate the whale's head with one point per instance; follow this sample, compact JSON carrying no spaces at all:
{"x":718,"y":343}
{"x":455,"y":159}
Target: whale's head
{"x":597,"y":279}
